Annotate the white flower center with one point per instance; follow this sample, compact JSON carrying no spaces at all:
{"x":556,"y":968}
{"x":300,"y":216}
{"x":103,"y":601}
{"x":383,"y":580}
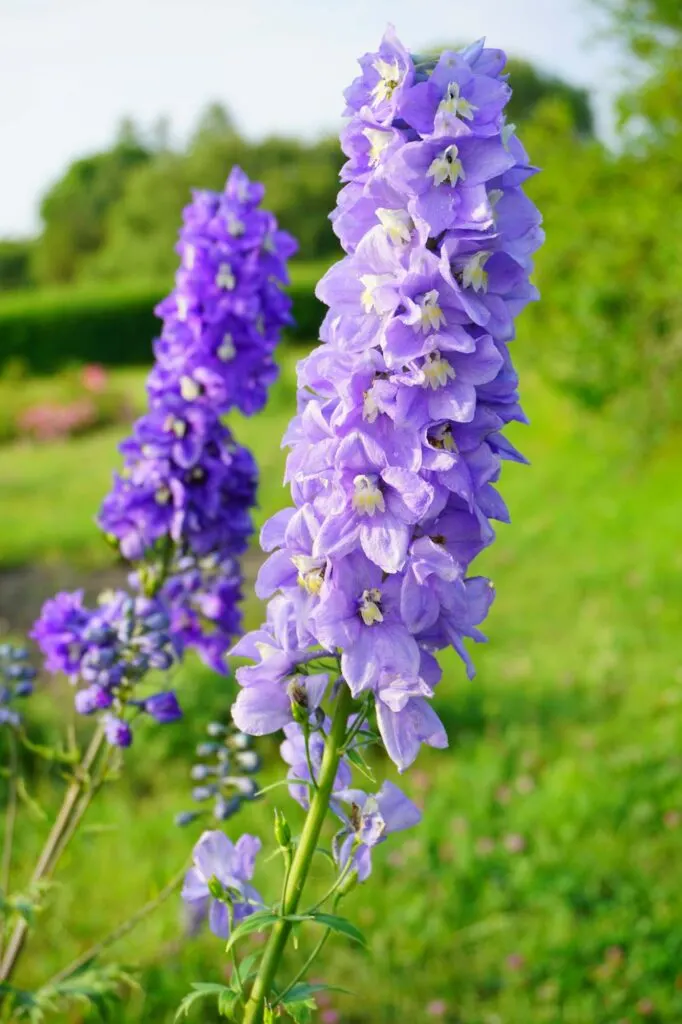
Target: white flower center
{"x":181,"y":307}
{"x":370,"y":607}
{"x":162,"y":496}
{"x":190,"y":256}
{"x":236,"y":227}
{"x":367,"y":497}
{"x":507,"y":132}
{"x":442,"y":438}
{"x":397,"y":224}
{"x":266,"y":651}
{"x":372,"y":283}
{"x":437,"y":371}
{"x":175,"y":426}
{"x":432,"y":316}
{"x":389,"y":79}
{"x":227,"y":350}
{"x":473,"y":274}
{"x":310,"y":572}
{"x":378,"y":142}
{"x":447,"y":167}
{"x":225,"y":278}
{"x":370,"y":409}
{"x":453,"y":103}
{"x":189,"y":389}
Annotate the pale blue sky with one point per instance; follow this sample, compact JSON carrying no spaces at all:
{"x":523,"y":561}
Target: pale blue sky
{"x":71,"y":69}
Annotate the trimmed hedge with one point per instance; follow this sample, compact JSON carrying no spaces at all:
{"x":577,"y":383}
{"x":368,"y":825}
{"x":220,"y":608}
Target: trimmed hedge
{"x":114,"y":326}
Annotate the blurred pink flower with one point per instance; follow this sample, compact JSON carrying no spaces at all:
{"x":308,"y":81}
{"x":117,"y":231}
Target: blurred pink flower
{"x":94,"y":377}
{"x":514,"y":843}
{"x":515,"y":961}
{"x":437,"y":1008}
{"x":330,"y":1017}
{"x":50,"y":421}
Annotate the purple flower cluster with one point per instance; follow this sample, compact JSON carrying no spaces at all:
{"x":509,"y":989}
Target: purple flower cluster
{"x":182,"y":501}
{"x":16,"y":681}
{"x":109,"y":650}
{"x":398,"y":442}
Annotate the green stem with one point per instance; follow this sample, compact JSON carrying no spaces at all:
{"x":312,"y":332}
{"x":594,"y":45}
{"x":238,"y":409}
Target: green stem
{"x":10,"y":821}
{"x":309,"y":760}
{"x":47,"y":860}
{"x":303,"y":857}
{"x":306,"y":966}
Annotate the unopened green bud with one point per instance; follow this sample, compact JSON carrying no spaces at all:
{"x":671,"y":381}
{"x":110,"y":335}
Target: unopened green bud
{"x":282,"y":830}
{"x":216,"y":888}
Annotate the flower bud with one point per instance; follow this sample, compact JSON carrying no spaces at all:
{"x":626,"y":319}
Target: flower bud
{"x":282,"y":830}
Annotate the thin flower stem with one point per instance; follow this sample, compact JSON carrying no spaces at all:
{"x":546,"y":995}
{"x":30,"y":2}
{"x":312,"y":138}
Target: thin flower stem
{"x":46,"y":860}
{"x":304,"y":970}
{"x":233,"y":952}
{"x":10,"y":821}
{"x":306,"y":734}
{"x":347,"y":868}
{"x":355,"y":729}
{"x":86,"y":799}
{"x":303,"y":857}
{"x":118,"y":932}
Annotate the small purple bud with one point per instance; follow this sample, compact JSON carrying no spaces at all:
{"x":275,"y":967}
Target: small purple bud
{"x":163,"y":707}
{"x":201,"y":793}
{"x":224,"y":808}
{"x":23,"y":689}
{"x":200,"y":772}
{"x":185,"y":818}
{"x":207,"y":749}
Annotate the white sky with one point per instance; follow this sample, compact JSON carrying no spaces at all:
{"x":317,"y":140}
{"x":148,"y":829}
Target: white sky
{"x":71,"y":69}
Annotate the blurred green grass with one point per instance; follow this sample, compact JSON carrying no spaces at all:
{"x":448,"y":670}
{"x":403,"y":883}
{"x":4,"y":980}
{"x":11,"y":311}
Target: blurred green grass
{"x":543,"y":883}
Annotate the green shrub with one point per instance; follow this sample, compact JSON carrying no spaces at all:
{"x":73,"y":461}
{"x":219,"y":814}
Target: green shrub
{"x":113,"y":326}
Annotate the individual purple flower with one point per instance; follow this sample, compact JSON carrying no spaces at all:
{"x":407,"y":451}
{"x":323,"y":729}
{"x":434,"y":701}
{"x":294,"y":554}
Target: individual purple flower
{"x":117,"y":732}
{"x":231,"y":866}
{"x":372,"y":818}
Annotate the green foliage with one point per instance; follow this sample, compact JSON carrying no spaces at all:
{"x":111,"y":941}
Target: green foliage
{"x":75,"y":209}
{"x":15,"y":263}
{"x":113,"y":325}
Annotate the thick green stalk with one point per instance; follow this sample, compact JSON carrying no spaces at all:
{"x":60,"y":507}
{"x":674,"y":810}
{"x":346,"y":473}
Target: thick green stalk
{"x":319,"y":805}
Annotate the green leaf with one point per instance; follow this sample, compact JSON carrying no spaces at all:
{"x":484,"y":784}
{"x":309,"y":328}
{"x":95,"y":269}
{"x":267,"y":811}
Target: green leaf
{"x":358,"y":760}
{"x":303,"y":990}
{"x":302,"y":1012}
{"x":257,"y":922}
{"x":32,"y":805}
{"x":340,"y":925}
{"x":202,"y":989}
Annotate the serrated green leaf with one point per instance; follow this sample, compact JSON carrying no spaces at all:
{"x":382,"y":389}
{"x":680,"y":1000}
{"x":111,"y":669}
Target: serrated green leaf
{"x":302,"y":1012}
{"x":202,"y":989}
{"x":339,"y":925}
{"x":227,"y":1001}
{"x":257,"y":922}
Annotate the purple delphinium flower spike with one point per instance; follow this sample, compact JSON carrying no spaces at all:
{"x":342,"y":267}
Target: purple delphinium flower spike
{"x":231,"y":865}
{"x":16,"y":681}
{"x":398,"y":442}
{"x":183,"y":499}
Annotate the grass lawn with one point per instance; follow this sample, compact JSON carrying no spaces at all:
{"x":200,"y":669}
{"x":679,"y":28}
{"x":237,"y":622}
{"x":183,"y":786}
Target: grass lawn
{"x":542,"y":886}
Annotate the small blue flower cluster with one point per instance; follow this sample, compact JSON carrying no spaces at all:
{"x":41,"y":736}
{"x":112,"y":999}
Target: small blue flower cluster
{"x":111,"y":649}
{"x":224,"y":770}
{"x":16,"y":681}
